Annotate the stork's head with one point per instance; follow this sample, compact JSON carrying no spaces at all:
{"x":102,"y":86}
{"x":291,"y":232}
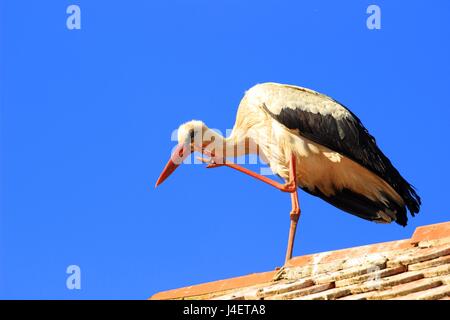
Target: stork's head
{"x":189,"y":139}
{"x":190,"y":132}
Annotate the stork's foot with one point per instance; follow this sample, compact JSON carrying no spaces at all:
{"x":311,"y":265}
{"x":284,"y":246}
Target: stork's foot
{"x":290,"y":187}
{"x":212,"y":165}
{"x":279,"y":274}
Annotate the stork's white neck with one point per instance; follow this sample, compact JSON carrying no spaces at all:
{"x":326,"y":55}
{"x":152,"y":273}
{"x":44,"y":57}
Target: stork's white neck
{"x":233,"y":146}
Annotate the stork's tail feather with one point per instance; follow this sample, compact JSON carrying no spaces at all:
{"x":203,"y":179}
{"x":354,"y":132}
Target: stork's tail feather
{"x":373,"y":210}
{"x":411,"y":199}
{"x":408,"y":194}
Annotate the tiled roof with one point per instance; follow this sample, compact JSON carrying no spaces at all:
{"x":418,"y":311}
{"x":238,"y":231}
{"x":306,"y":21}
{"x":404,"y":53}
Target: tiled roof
{"x":416,"y":268}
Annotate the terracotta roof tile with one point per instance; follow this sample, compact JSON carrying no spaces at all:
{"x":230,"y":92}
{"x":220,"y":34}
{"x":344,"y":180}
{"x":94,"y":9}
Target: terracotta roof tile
{"x":388,"y":282}
{"x":358,"y":296}
{"x":351,"y":272}
{"x":420,"y":255}
{"x":369,"y":276}
{"x":446,"y":279}
{"x":216,"y":286}
{"x":280,"y":288}
{"x":331,"y":294}
{"x":301,"y":292}
{"x":430,"y":294}
{"x":431,"y":232}
{"x":429,"y":263}
{"x":416,"y":268}
{"x":437,"y":271}
{"x":407,"y":288}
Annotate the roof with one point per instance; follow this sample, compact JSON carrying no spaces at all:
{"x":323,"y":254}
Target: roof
{"x":415,"y":268}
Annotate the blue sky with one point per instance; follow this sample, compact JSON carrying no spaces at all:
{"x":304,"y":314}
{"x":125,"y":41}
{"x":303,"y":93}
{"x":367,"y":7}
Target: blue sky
{"x":87,"y":117}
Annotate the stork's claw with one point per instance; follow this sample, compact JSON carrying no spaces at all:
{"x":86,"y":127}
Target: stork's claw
{"x":211,"y":162}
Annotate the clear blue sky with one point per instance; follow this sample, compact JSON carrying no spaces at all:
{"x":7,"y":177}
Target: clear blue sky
{"x":87,"y":115}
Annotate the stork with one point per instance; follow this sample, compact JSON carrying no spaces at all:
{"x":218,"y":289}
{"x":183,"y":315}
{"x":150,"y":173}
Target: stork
{"x":312,"y":142}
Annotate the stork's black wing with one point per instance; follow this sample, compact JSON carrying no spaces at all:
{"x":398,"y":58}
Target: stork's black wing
{"x":337,"y":128}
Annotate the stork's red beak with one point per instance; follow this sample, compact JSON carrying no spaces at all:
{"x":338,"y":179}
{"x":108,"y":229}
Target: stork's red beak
{"x":181,"y":152}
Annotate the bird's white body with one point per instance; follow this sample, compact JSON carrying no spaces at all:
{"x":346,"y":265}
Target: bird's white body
{"x":311,"y":141}
{"x":318,"y":167}
{"x":335,"y":156}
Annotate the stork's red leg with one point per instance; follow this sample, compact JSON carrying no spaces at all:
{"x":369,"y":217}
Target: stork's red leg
{"x":294,"y":216}
{"x":295,"y":212}
{"x":291,"y":186}
{"x":286,"y":187}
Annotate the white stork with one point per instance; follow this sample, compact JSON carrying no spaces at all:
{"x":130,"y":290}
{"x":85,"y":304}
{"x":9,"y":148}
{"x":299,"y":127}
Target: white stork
{"x":311,"y":141}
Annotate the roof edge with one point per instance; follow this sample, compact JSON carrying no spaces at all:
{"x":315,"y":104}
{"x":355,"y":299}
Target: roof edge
{"x":216,"y":286}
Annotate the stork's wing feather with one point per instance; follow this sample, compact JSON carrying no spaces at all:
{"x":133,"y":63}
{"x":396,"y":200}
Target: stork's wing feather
{"x":327,"y":122}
